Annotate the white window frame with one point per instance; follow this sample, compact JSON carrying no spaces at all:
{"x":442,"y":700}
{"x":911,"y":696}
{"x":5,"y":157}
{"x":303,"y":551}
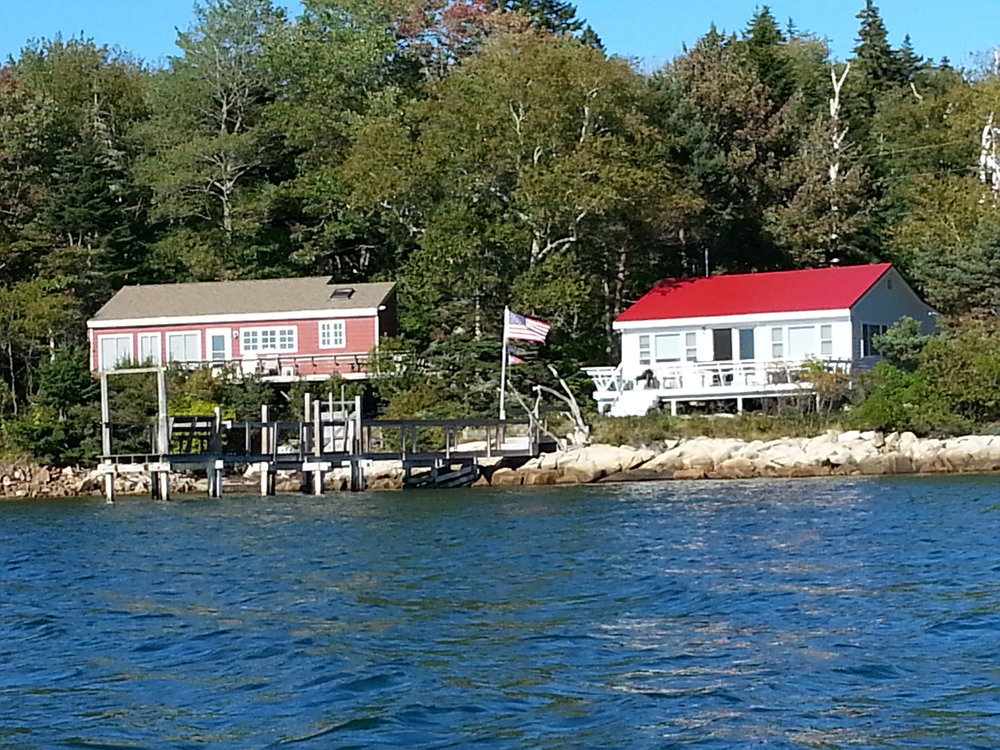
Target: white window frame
{"x":645,"y":351}
{"x":269,"y":340}
{"x":197,"y":346}
{"x":328,"y":338}
{"x":691,"y":346}
{"x":156,"y":357}
{"x":810,"y":330}
{"x":777,"y":342}
{"x":826,"y":339}
{"x":739,"y":336}
{"x":118,"y":338}
{"x":227,"y":344}
{"x":668,"y":341}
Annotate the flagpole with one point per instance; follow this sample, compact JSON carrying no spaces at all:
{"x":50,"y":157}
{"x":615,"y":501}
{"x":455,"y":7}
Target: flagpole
{"x":503,"y":365}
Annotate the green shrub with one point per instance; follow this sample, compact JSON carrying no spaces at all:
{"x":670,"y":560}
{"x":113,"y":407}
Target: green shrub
{"x":655,"y":428}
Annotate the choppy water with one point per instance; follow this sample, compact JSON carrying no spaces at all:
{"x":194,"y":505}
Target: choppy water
{"x":823,"y":613}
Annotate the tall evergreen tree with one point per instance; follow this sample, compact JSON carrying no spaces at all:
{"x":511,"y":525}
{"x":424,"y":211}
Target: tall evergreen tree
{"x":876,"y":66}
{"x":557,"y":16}
{"x":764,"y":43}
{"x":732,"y":139}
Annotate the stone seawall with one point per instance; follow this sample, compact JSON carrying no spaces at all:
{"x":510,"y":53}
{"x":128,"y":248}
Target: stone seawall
{"x":832,"y":454}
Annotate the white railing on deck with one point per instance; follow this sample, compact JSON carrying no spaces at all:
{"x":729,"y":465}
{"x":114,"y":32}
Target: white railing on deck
{"x":288,"y":365}
{"x":706,"y":376}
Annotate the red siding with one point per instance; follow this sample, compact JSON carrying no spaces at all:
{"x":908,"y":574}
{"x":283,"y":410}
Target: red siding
{"x":359,"y":340}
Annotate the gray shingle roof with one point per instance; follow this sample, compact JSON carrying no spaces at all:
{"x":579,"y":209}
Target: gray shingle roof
{"x":239,"y":298}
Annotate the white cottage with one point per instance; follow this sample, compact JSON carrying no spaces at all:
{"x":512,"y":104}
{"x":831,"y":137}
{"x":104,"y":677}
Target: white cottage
{"x":748,"y":336}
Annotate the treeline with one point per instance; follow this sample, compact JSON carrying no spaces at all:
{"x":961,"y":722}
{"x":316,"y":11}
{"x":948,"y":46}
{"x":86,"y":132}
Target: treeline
{"x":480,"y":153}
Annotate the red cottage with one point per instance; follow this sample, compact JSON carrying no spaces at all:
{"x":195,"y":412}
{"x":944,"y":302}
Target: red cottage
{"x":279,"y":329}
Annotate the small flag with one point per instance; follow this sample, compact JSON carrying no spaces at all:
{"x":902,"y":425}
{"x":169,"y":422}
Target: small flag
{"x":512,"y":356}
{"x":526,"y":329}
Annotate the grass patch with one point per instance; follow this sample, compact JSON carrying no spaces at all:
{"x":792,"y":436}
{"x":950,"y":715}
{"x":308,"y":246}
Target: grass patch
{"x":655,"y":428}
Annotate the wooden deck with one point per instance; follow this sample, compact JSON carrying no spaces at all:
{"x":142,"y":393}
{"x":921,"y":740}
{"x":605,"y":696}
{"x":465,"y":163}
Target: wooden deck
{"x":346,"y":439}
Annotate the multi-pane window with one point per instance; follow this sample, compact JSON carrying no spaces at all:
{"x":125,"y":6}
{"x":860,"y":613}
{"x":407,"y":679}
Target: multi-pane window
{"x":184,"y":347}
{"x":149,"y":348}
{"x":268,"y":340}
{"x":868,"y":331}
{"x":826,"y":340}
{"x":332,"y":334}
{"x":691,"y":346}
{"x":777,"y":343}
{"x":115,"y":350}
{"x":644,"y":350}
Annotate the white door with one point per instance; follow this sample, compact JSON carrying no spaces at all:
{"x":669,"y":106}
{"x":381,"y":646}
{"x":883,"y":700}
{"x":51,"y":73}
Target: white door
{"x":219,"y":344}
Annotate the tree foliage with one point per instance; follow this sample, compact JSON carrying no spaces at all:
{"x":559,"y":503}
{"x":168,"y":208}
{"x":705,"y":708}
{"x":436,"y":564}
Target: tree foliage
{"x":485,"y":153}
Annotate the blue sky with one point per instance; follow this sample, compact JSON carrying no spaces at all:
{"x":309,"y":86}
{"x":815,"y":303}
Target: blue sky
{"x":651,"y":31}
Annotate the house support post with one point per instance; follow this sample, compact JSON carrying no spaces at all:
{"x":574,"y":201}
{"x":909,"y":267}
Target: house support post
{"x":739,"y":404}
{"x":673,"y":407}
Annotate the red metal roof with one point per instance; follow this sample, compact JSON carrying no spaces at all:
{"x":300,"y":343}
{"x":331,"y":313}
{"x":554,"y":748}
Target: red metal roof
{"x":749,"y":293}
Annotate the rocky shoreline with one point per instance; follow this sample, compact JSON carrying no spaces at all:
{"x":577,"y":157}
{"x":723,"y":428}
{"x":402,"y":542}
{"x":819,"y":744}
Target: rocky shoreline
{"x":850,"y":453}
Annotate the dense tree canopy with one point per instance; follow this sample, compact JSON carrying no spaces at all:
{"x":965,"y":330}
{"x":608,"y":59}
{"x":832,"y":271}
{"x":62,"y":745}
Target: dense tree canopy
{"x":481,"y":153}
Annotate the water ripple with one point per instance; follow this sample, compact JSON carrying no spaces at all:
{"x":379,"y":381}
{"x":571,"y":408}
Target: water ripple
{"x":821,"y":614}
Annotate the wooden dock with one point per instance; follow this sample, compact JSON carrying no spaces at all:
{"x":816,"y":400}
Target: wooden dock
{"x":432,"y":453}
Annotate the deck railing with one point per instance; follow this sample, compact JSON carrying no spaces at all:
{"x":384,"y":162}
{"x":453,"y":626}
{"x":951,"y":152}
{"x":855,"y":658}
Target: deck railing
{"x":273,"y":365}
{"x":706,"y":376}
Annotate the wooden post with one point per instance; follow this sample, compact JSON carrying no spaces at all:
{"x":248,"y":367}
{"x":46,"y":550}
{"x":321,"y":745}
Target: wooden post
{"x":357,"y":476}
{"x":162,"y":430}
{"x":306,"y":439}
{"x":162,"y":419}
{"x":109,"y":485}
{"x":164,"y":485}
{"x":266,"y":478}
{"x":105,"y":417}
{"x":317,"y":411}
{"x":109,"y":478}
{"x":265,"y":444}
{"x":214,"y":471}
{"x":356,"y":442}
{"x":216,"y":464}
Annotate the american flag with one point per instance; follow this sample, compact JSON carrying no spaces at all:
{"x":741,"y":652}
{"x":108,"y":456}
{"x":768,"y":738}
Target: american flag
{"x":514,"y":356}
{"x":526,"y":329}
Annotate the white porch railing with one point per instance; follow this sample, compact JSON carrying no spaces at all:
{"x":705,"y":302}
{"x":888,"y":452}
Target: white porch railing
{"x":287,"y":366}
{"x":683,"y":378}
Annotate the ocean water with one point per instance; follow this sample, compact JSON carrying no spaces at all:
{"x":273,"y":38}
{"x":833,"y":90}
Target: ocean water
{"x":787,"y":614}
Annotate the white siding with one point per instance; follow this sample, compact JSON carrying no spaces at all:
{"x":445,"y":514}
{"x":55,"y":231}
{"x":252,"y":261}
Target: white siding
{"x":838,"y":320}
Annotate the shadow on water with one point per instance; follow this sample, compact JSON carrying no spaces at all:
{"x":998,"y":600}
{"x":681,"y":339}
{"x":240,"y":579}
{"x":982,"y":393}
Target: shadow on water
{"x":820,"y":613}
